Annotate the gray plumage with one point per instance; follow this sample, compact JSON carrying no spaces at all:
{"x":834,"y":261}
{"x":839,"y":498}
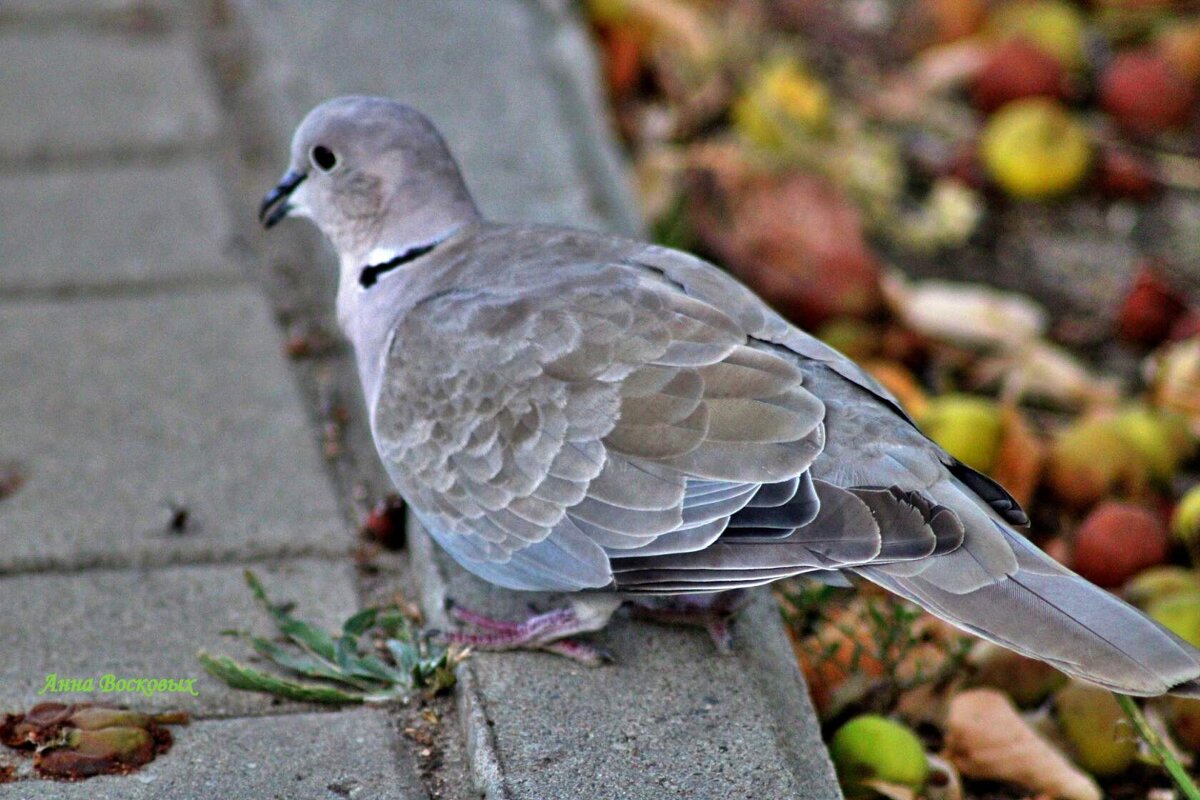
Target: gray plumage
{"x":572,"y":411}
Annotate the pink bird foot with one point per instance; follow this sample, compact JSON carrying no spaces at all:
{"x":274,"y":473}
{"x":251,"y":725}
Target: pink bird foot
{"x":550,"y":632}
{"x":713,"y":612}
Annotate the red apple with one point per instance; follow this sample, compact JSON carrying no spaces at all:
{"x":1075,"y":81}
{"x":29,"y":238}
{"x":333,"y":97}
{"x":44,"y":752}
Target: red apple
{"x":385,"y":523}
{"x":795,"y":239}
{"x":1145,"y":94}
{"x":1150,"y":309}
{"x":1121,"y":174}
{"x":1117,"y":541}
{"x":1015,"y":69}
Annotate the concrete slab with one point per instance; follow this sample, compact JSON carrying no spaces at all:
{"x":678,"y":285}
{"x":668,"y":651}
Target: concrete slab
{"x":149,"y":623}
{"x":116,"y":408}
{"x":341,"y":755}
{"x":44,"y":10}
{"x":671,"y":718}
{"x":89,"y":227}
{"x":98,"y":92}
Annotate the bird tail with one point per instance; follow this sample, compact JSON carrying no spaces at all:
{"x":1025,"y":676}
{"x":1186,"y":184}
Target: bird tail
{"x":1001,"y":587}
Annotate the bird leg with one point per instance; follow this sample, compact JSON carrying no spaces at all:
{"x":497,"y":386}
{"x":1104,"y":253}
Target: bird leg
{"x":714,"y":612}
{"x":554,"y":631}
{"x":550,"y":631}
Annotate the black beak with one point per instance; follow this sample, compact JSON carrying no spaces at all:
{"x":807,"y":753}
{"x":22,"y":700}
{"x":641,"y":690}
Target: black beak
{"x":275,"y":206}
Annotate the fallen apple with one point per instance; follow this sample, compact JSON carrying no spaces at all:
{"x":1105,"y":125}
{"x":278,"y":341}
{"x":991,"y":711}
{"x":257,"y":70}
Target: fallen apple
{"x":1144,"y":93}
{"x":1017,"y":68}
{"x":1096,"y":728}
{"x":968,"y":428}
{"x":871,"y":747}
{"x":1034,"y":149}
{"x":1117,"y":541}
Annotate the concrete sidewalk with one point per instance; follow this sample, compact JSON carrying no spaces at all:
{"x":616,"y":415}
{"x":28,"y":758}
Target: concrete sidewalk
{"x":142,"y":369}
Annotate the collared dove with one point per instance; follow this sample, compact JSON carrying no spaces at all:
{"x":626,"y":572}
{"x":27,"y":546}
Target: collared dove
{"x":579,"y":412}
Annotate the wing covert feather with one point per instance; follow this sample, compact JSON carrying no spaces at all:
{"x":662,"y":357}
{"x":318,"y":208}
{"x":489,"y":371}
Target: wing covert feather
{"x":581,"y":411}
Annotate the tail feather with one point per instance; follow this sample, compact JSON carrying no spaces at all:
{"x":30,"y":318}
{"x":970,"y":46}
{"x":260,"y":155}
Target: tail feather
{"x":1045,"y":611}
{"x":1189,"y":689}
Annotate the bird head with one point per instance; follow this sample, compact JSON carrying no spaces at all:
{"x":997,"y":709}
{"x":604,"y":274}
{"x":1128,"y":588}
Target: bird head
{"x":371,"y":173}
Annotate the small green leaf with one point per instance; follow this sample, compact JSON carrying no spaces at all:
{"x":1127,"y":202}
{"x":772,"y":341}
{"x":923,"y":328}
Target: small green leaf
{"x":300,"y":662}
{"x":392,"y":622}
{"x":308,"y":636}
{"x":240,"y":676}
{"x":443,"y":679}
{"x":314,"y":653}
{"x":343,"y":653}
{"x":370,"y":666}
{"x":360,"y":623}
{"x":256,"y":587}
{"x":405,"y":653}
{"x":303,"y":634}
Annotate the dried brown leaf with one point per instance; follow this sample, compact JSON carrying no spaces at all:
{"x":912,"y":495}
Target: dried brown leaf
{"x":84,"y":739}
{"x":966,"y":314}
{"x":866,"y":645}
{"x":839,"y":663}
{"x":1019,"y":460}
{"x":892,"y":791}
{"x":12,"y":477}
{"x":944,"y":782}
{"x":986,"y":738}
{"x":1174,"y":375}
{"x":677,"y":25}
{"x":902,"y":383}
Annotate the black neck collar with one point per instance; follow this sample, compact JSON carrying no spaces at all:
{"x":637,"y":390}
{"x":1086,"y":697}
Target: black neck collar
{"x":370,"y":273}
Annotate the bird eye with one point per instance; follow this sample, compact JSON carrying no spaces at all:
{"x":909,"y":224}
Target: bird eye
{"x":323,"y":157}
